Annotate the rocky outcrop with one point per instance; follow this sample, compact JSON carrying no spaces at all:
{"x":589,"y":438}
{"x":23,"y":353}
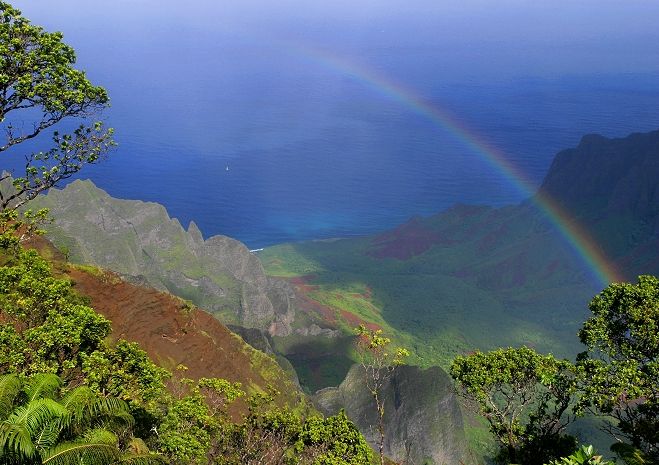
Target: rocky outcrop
{"x":141,"y":242}
{"x":422,"y":416}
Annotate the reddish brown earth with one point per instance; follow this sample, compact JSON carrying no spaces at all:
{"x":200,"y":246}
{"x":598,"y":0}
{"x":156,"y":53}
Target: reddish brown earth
{"x":302,"y":286}
{"x":406,"y":241}
{"x":354,"y":321}
{"x":173,"y":332}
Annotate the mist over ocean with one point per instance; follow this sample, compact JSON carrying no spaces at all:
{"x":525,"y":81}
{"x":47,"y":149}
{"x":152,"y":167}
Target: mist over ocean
{"x":234,"y":116}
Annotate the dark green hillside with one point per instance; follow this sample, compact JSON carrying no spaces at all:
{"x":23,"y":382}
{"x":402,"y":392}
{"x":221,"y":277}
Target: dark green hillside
{"x":481,"y":277}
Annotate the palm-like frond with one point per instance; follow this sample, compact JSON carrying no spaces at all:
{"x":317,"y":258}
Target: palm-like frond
{"x":45,"y":385}
{"x":111,"y":406}
{"x":48,"y":436}
{"x":97,"y":446}
{"x":35,"y":414}
{"x":85,"y":405}
{"x":10,"y":387}
{"x":36,"y":424}
{"x":75,"y":453}
{"x":100,"y":436}
{"x":15,"y":440}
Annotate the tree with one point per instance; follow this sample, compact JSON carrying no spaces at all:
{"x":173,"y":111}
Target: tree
{"x":40,"y":426}
{"x":584,"y":456}
{"x":195,"y":428}
{"x":39,"y":84}
{"x":46,"y":327}
{"x":621,"y":364}
{"x":525,"y":397}
{"x":378,"y":363}
{"x":199,"y":430}
{"x":333,"y":440}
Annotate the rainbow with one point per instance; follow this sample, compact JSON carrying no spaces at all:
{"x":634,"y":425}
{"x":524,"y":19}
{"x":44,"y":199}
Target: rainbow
{"x":574,"y":234}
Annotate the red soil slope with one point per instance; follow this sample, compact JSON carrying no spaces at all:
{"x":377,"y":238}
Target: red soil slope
{"x":173,"y":332}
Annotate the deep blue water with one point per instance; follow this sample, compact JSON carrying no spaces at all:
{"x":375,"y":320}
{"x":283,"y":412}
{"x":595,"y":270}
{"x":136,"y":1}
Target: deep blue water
{"x":226,"y":123}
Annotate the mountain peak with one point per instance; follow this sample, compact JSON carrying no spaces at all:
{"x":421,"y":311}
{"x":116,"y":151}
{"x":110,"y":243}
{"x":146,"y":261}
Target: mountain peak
{"x":602,"y":176}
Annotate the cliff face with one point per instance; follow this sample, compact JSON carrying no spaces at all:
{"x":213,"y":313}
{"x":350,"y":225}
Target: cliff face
{"x":140,"y":241}
{"x":604,"y":176}
{"x":422,"y":417}
{"x":612,"y":185}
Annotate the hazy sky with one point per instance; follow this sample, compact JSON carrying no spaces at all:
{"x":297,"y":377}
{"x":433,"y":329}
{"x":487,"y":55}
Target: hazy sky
{"x":464,"y":38}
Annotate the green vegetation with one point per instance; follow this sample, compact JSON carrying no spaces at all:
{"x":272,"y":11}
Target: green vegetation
{"x":40,"y":88}
{"x":528,"y":399}
{"x":621,"y":365}
{"x":524,"y":397}
{"x":42,"y":423}
{"x":68,"y":396}
{"x":378,"y":360}
{"x":584,"y":456}
{"x":422,"y":306}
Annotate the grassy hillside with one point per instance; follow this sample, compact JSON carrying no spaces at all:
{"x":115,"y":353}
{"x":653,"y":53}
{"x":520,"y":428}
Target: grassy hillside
{"x":447,"y":300}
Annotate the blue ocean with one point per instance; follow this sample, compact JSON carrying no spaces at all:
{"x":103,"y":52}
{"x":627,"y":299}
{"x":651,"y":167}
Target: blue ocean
{"x":274,"y":123}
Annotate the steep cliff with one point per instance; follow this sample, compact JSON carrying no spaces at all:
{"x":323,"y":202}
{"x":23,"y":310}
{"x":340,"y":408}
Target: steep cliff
{"x":422,"y":416}
{"x":140,"y":241}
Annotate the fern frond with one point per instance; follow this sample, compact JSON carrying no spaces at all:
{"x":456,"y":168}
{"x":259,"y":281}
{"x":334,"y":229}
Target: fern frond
{"x":45,"y":385}
{"x":10,"y":387}
{"x":109,"y":406}
{"x":48,"y":436}
{"x":101,"y":436}
{"x":15,"y":439}
{"x":78,"y":402}
{"x":37,"y":413}
{"x":75,"y":453}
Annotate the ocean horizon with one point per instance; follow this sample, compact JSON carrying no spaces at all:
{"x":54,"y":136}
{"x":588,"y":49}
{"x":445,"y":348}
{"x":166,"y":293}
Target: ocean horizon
{"x":273,"y":129}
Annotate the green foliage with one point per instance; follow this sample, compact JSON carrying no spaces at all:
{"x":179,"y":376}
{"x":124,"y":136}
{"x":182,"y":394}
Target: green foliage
{"x":525,"y":398}
{"x":45,"y":327}
{"x":621,"y":365}
{"x":630,"y":454}
{"x":196,"y":424}
{"x":277,"y":436}
{"x":45,"y":425}
{"x":583,"y":456}
{"x":333,"y":441}
{"x":198,"y":430}
{"x":44,"y":324}
{"x":15,"y":227}
{"x":54,"y":341}
{"x":38,"y":82}
{"x":126,"y":371}
{"x":378,"y":362}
